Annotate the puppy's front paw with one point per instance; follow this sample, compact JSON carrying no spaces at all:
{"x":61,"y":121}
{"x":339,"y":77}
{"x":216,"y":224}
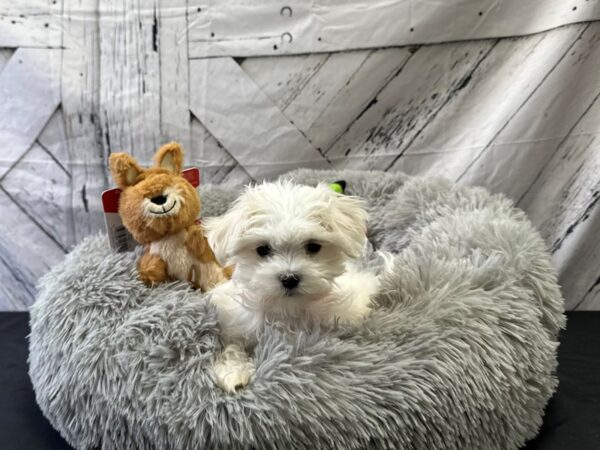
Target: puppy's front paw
{"x":233,"y":369}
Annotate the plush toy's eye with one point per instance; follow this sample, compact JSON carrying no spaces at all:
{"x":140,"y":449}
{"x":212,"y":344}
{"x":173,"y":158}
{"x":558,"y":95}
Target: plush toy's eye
{"x":264,"y":250}
{"x":312,"y":248}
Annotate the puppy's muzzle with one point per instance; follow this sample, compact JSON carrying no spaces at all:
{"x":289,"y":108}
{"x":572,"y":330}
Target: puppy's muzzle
{"x":290,"y":280}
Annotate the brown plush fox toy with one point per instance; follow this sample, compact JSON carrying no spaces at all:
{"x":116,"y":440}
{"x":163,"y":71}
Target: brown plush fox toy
{"x":159,"y":208}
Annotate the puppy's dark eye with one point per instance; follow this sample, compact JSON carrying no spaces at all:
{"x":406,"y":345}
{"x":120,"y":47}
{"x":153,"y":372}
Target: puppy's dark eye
{"x":263,"y":250}
{"x":312,"y":248}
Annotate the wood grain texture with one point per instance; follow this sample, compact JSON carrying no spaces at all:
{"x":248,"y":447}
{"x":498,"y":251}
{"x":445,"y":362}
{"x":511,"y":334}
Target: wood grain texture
{"x":42,"y":188}
{"x":239,"y":122}
{"x":53,"y":140}
{"x":485,"y":102}
{"x":576,"y":261}
{"x":304,"y":109}
{"x":174,"y":96}
{"x":319,"y":98}
{"x":36,"y":227}
{"x":408,"y":104}
{"x":517,"y":115}
{"x":563,"y":201}
{"x":287,"y":76}
{"x":271,"y":27}
{"x":30,"y":89}
{"x":283,"y":82}
{"x":525,"y":142}
{"x":17,"y":290}
{"x":216,"y":164}
{"x":26,"y":253}
{"x":80,"y":108}
{"x":357,"y":94}
{"x":130,"y":78}
{"x":31,"y":23}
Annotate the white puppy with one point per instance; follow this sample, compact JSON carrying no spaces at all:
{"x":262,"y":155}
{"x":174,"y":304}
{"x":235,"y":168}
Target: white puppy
{"x":292,"y":248}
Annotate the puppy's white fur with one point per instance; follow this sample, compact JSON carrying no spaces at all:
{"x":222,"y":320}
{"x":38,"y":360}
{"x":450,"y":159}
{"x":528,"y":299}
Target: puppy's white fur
{"x":285,"y":217}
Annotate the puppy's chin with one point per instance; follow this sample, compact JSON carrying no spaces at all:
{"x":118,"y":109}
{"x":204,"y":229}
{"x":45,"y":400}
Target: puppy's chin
{"x":270,"y":290}
{"x":295,"y":308}
{"x":300,"y":296}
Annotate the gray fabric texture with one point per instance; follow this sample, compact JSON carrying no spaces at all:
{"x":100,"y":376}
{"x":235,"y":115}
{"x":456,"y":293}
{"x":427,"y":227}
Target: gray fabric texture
{"x":458,"y":352}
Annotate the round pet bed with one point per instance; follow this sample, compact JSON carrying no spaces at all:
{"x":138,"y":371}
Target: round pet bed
{"x":458,"y":352}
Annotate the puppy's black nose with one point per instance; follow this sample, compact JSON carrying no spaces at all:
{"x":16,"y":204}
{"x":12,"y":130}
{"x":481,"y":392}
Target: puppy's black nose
{"x":290,"y":280}
{"x":159,"y":200}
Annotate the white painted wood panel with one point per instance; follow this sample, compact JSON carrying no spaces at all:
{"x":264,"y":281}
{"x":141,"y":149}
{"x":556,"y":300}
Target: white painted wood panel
{"x":239,"y":114}
{"x":576,"y":261}
{"x":517,"y":115}
{"x":5,"y":55}
{"x":410,"y":101}
{"x":566,"y":188}
{"x":357,"y":94}
{"x":304,"y":109}
{"x":286,"y":76}
{"x":285,"y":80}
{"x":471,"y":120}
{"x":31,"y":23}
{"x":53,"y":140}
{"x":563,"y":201}
{"x":42,"y":188}
{"x":130,"y":78}
{"x":542,"y":121}
{"x":80,"y":78}
{"x":171,"y":34}
{"x":26,"y":253}
{"x":29,"y":89}
{"x":216,"y":165}
{"x":271,"y":27}
{"x":324,"y":110}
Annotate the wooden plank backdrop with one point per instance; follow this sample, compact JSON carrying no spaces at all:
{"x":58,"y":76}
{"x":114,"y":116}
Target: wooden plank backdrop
{"x":252,"y":90}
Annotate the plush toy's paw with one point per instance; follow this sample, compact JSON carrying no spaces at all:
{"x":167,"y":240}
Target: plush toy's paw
{"x":152,"y":269}
{"x":233,"y":369}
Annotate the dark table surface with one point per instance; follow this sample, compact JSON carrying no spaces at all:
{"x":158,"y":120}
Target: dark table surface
{"x":572,"y":418}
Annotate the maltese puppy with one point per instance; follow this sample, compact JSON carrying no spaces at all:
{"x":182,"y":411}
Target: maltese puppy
{"x":292,"y":247}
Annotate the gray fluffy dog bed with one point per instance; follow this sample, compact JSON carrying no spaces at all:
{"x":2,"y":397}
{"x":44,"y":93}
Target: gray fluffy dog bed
{"x":458,"y":352}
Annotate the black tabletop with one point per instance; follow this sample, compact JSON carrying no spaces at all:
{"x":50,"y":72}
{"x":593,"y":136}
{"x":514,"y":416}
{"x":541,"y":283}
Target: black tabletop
{"x":572,"y":418}
{"x":22,"y":425}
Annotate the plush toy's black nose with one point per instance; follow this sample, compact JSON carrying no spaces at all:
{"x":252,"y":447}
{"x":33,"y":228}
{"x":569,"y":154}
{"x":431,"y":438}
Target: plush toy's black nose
{"x":290,"y":280}
{"x":159,"y":200}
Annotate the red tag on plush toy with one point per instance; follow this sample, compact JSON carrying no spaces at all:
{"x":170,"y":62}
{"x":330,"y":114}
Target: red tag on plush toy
{"x":120,"y":239}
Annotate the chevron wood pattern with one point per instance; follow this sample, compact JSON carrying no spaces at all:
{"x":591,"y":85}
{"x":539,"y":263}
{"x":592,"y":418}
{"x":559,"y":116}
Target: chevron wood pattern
{"x":518,"y":115}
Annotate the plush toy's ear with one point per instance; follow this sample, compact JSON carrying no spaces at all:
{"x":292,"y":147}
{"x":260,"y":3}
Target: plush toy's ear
{"x":124,"y":169}
{"x":170,"y":157}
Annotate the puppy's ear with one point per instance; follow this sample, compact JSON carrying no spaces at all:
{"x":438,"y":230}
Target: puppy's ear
{"x":346,"y":220}
{"x":223,"y":232}
{"x":124,"y":169}
{"x":169,"y":157}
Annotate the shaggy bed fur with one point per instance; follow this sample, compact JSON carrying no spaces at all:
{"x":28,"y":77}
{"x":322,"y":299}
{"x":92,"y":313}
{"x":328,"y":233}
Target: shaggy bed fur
{"x":458,"y":352}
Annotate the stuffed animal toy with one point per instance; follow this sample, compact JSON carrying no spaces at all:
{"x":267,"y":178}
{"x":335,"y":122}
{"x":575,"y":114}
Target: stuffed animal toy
{"x":159,"y":207}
